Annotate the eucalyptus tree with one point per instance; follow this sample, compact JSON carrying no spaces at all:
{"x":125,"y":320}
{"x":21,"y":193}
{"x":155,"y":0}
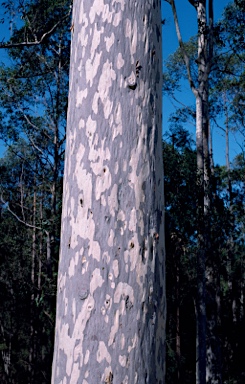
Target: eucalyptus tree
{"x":26,"y":291}
{"x":232,"y":84}
{"x":33,"y":102}
{"x":180,"y":201}
{"x":180,"y":198}
{"x":200,"y":89}
{"x":34,"y":97}
{"x":110,"y":321}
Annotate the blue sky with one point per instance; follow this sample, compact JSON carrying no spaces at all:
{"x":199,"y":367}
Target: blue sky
{"x":188,"y":26}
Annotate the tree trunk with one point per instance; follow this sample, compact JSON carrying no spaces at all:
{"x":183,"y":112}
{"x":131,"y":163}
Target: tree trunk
{"x":110,"y":324}
{"x":201,"y":250}
{"x":206,"y":357}
{"x":32,"y":302}
{"x":177,"y":293}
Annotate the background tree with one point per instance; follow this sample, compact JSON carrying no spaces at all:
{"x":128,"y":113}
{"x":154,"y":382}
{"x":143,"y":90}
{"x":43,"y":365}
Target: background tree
{"x":222,"y":221}
{"x":181,"y":247}
{"x":33,"y":103}
{"x":200,"y":89}
{"x":180,"y":202}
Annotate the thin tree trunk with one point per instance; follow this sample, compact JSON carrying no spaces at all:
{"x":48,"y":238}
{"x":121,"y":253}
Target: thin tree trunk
{"x":231,"y":281}
{"x":32,"y":303}
{"x":210,"y":136}
{"x":178,"y":351}
{"x":201,"y":252}
{"x":6,"y":353}
{"x":56,"y":163}
{"x":202,"y":180}
{"x":39,"y":278}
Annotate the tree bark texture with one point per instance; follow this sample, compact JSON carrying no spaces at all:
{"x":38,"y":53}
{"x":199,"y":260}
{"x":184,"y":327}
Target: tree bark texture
{"x":110,"y":324}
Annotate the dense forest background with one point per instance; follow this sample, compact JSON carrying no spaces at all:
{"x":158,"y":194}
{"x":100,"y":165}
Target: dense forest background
{"x":33,"y":104}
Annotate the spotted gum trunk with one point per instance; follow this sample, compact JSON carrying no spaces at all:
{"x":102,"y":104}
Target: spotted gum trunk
{"x":110,"y":323}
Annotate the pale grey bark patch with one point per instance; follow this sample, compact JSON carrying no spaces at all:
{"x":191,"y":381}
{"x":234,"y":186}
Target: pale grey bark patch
{"x":110,"y":321}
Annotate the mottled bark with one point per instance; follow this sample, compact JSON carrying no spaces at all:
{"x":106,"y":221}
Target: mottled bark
{"x":110,"y":323}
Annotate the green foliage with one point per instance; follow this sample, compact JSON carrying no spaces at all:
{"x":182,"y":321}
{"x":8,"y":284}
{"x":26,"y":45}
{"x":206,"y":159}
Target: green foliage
{"x":33,"y":106}
{"x":175,"y":70}
{"x":227,"y":77}
{"x":180,"y":223}
{"x":225,"y":261}
{"x":228,"y":258}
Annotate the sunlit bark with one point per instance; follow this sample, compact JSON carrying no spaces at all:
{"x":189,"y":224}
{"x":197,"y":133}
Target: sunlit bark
{"x":110,"y":323}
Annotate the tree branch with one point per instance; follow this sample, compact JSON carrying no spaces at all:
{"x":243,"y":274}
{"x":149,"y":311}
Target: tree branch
{"x":193,"y":3}
{"x":17,"y":217}
{"x":182,"y":49}
{"x":36,"y":41}
{"x":211,"y":30}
